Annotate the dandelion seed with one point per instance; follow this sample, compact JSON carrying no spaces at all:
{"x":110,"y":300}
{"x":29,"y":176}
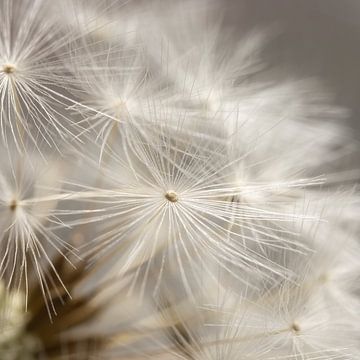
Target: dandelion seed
{"x":289,"y":324}
{"x":27,"y":240}
{"x":35,"y":80}
{"x":195,"y":224}
{"x":13,"y":205}
{"x":8,"y":69}
{"x":295,"y":327}
{"x":172,"y":196}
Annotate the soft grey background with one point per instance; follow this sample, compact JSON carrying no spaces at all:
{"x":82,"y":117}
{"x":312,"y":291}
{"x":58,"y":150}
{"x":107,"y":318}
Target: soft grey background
{"x":317,"y":38}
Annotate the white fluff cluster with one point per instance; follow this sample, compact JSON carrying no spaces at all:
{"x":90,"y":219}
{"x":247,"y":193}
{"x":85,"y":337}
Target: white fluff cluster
{"x":149,"y":141}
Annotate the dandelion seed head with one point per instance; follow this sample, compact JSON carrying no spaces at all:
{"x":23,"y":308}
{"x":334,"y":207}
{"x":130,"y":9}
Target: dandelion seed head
{"x":198,"y":198}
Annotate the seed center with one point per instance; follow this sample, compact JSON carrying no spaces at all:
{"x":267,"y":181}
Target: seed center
{"x":295,"y":327}
{"x":172,"y":196}
{"x":8,"y":69}
{"x":13,"y":205}
{"x":323,"y":278}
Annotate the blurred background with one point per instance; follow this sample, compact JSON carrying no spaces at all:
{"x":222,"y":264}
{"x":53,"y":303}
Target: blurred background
{"x":317,"y":38}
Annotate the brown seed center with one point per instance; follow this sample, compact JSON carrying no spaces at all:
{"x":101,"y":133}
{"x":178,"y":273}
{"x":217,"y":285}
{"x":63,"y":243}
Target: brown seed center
{"x":172,"y":196}
{"x":295,"y":327}
{"x":13,"y":205}
{"x":8,"y":69}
